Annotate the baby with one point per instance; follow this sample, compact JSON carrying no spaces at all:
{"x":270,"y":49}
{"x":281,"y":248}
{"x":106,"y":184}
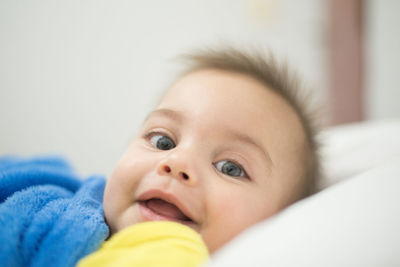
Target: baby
{"x":230,"y":144}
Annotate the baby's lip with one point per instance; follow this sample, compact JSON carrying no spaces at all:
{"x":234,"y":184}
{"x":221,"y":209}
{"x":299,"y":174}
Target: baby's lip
{"x":167,"y":197}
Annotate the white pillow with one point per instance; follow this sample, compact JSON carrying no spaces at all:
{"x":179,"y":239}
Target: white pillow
{"x":352,"y":149}
{"x":352,"y":223}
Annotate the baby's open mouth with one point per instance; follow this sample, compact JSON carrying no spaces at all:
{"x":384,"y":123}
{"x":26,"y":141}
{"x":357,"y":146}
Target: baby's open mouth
{"x":164,"y":210}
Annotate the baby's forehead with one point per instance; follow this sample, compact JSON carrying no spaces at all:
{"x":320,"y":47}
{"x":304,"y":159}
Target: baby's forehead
{"x":214,"y":81}
{"x":246,"y":88}
{"x":227,"y":87}
{"x":230,"y":100}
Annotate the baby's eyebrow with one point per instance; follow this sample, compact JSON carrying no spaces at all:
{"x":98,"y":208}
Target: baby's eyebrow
{"x":234,"y":134}
{"x":244,"y":138}
{"x":165,"y":112}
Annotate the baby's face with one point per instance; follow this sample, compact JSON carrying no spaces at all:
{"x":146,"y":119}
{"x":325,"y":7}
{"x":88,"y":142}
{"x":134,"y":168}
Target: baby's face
{"x":219,"y":153}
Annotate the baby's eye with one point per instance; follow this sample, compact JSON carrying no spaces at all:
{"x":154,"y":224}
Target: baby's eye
{"x":230,"y":168}
{"x":162,"y":142}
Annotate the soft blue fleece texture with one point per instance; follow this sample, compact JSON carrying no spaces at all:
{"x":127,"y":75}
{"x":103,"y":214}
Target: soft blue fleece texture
{"x":48,"y":216}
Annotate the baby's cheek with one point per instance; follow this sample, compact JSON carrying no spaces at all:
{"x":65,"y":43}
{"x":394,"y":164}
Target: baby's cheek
{"x":114,"y":203}
{"x":109,"y":214}
{"x":226,"y":211}
{"x":223,"y":228}
{"x":240,"y":211}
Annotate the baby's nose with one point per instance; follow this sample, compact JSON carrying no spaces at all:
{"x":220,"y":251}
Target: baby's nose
{"x":176,"y":167}
{"x":183,"y":175}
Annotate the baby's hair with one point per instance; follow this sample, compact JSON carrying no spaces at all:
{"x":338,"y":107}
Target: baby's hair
{"x":275,"y":77}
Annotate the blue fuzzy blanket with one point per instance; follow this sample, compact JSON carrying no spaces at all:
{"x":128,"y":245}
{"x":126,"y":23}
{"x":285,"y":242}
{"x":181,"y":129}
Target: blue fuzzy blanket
{"x":48,"y":216}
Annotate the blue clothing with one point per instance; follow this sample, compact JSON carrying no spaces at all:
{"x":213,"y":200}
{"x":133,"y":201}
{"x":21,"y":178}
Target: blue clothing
{"x":48,"y":216}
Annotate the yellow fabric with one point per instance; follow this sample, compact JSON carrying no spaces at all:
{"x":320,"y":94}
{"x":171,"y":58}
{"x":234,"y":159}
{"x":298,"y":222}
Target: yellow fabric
{"x":157,"y":243}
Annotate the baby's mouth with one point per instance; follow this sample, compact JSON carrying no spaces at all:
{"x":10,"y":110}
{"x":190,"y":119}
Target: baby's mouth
{"x":163,"y":210}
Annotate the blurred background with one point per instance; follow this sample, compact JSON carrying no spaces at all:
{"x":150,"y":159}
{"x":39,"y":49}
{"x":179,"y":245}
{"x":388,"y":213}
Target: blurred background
{"x":77,"y":77}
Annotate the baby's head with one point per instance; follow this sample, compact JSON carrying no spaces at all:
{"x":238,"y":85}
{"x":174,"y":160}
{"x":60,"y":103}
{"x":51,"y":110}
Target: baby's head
{"x":229,"y":145}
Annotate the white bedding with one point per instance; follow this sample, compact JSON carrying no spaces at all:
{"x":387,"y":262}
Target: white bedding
{"x":353,"y":221}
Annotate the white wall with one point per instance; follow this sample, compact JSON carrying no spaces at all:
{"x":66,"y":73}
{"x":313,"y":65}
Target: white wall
{"x":382,"y":59}
{"x":78,"y":76}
